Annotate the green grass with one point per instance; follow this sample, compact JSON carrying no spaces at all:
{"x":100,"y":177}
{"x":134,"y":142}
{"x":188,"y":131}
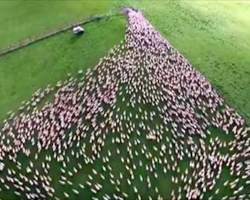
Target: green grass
{"x":46,"y":62}
{"x":214,"y":36}
{"x":20,"y":20}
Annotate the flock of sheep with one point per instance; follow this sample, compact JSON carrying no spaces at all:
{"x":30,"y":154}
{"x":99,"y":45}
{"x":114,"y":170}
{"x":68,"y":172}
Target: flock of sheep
{"x":143,"y":124}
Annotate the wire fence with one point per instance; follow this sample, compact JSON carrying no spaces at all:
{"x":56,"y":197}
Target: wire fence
{"x":30,"y":41}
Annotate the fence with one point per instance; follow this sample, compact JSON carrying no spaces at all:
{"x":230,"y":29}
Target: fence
{"x":28,"y":42}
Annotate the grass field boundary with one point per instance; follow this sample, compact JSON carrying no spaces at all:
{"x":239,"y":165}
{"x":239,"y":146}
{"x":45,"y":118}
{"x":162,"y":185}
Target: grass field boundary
{"x":30,"y":41}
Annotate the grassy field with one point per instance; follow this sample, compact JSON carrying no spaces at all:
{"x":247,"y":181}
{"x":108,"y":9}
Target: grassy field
{"x":27,"y":19}
{"x":214,"y":37}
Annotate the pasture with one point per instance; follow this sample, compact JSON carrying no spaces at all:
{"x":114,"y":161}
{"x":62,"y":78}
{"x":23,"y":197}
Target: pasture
{"x":23,"y":20}
{"x":213,"y":36}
